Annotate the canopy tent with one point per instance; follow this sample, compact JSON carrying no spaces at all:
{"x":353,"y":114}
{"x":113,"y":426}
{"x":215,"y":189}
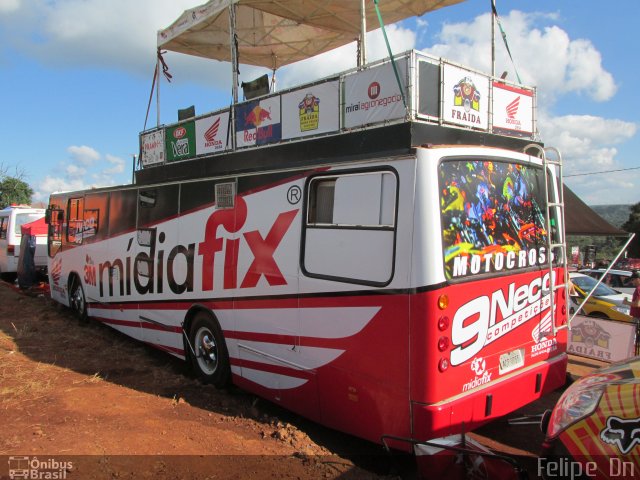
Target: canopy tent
{"x":274,"y":33}
{"x":580,"y":219}
{"x":37,"y":227}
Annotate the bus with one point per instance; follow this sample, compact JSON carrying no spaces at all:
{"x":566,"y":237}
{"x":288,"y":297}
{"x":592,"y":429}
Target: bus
{"x":381,"y":251}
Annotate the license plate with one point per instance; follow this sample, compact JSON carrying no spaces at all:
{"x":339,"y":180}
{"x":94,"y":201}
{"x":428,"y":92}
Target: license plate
{"x":511,"y":361}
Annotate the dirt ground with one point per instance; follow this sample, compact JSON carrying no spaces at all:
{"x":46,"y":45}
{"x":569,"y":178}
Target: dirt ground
{"x":106,"y":407}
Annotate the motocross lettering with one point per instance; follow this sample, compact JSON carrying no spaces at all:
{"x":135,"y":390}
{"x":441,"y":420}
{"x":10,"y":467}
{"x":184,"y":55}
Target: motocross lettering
{"x":485,"y":319}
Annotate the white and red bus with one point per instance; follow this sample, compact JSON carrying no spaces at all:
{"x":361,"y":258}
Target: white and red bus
{"x":390,"y":293}
{"x":374,"y":251}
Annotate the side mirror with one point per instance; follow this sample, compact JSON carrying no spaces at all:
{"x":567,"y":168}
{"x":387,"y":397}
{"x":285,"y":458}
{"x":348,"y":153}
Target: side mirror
{"x":47,"y":216}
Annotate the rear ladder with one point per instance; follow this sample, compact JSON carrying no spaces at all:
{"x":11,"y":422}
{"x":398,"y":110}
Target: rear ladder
{"x":555,"y":226}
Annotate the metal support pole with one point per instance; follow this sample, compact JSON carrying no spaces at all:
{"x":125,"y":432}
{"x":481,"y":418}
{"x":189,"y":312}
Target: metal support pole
{"x":362,"y":60}
{"x":493,"y":39}
{"x":234,"y":51}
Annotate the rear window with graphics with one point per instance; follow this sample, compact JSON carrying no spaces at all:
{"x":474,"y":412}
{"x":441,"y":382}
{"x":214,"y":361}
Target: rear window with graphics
{"x":493,"y":216}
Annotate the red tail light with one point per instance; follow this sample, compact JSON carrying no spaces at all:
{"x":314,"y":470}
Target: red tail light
{"x":11,"y":249}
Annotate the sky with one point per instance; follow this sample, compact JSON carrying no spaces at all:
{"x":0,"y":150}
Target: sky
{"x":76,"y":80}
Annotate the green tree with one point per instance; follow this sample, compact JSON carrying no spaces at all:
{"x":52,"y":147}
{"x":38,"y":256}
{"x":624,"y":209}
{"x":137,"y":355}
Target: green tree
{"x":14,"y":190}
{"x":633,"y":226}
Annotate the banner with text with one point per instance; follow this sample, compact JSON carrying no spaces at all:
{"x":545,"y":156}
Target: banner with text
{"x":180,"y":141}
{"x":258,"y":122}
{"x":311,"y":111}
{"x":512,"y":109}
{"x":152,"y":148}
{"x":212,"y":134}
{"x":373,"y":95}
{"x":466,"y":98}
{"x":602,"y":339}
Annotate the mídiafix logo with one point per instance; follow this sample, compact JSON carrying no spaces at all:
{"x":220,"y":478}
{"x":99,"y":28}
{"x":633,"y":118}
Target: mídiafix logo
{"x":148,"y":269}
{"x":476,"y":321}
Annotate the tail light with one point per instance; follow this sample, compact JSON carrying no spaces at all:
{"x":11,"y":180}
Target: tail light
{"x":11,"y":249}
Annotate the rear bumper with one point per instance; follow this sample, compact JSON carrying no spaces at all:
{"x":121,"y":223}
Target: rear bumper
{"x":469,"y":411}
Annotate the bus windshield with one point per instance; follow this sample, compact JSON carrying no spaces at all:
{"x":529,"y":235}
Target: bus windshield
{"x":492,"y":216}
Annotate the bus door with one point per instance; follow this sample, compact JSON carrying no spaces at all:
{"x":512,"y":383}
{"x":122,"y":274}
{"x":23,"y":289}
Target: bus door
{"x":158,"y":257}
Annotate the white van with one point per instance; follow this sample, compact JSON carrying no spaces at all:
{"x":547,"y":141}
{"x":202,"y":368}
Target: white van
{"x":11,"y":219}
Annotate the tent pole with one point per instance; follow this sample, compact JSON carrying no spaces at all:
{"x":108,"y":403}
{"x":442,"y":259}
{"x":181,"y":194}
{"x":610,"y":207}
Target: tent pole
{"x":493,"y":39}
{"x":234,"y":51}
{"x":158,"y":89}
{"x":362,"y":59}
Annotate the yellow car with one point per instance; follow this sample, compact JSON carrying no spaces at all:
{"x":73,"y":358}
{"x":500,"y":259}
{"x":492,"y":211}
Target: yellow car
{"x":603,"y":303}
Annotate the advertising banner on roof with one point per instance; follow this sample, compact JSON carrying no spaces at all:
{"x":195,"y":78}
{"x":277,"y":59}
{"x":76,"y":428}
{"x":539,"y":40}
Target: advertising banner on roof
{"x":212,"y":134}
{"x":311,"y":110}
{"x":373,"y":95}
{"x":258,"y":122}
{"x":466,"y":98}
{"x":152,"y":148}
{"x":181,"y":141}
{"x":512,"y":109}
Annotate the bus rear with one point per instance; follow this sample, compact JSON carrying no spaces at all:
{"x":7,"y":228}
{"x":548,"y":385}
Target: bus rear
{"x":488,"y":319}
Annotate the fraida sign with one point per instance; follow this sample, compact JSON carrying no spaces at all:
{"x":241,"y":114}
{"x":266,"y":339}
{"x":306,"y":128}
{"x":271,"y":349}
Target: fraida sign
{"x":466,"y":98}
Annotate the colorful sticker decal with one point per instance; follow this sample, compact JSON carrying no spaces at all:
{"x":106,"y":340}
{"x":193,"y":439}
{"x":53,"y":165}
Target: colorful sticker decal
{"x":492,"y":217}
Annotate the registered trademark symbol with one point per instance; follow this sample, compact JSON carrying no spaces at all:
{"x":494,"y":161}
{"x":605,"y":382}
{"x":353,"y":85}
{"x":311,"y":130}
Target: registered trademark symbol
{"x":294,"y":194}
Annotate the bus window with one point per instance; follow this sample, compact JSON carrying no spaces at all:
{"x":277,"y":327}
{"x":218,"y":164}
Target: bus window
{"x":337,"y":228}
{"x":122,"y":211}
{"x":156,"y":204}
{"x":492,"y":215}
{"x":75,"y":212}
{"x":56,"y":223}
{"x":95,"y":217}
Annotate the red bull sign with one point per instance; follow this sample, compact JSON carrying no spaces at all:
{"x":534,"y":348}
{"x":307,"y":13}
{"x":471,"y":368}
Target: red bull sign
{"x":258,"y":122}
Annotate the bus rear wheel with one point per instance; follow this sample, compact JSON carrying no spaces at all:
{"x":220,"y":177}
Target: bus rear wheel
{"x":211,"y":359}
{"x":77,"y":300}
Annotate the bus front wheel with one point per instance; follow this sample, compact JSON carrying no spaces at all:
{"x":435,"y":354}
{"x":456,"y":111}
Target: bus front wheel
{"x":77,"y":300}
{"x":210,"y":358}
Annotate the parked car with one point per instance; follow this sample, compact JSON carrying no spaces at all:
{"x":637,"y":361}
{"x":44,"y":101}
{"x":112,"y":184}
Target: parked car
{"x":592,"y":432}
{"x":11,"y":219}
{"x":619,"y":280}
{"x":603,"y":303}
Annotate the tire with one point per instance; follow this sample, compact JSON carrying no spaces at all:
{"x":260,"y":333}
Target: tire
{"x":9,"y":277}
{"x":211,"y":359}
{"x":77,"y":299}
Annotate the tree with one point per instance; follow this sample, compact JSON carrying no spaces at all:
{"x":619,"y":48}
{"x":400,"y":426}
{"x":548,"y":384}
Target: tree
{"x":633,"y":226}
{"x":14,"y":190}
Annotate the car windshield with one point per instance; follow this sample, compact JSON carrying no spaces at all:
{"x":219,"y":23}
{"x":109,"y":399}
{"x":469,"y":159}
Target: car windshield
{"x":587,"y":283}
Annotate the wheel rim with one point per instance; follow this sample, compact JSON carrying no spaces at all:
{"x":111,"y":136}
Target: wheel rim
{"x":206,"y":350}
{"x":77,"y":299}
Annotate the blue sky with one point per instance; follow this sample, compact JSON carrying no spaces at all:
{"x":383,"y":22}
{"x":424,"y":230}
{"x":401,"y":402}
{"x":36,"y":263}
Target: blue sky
{"x":77,"y":74}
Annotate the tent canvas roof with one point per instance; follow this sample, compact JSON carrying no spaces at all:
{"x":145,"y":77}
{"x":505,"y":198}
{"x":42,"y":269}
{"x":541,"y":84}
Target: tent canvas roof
{"x":274,"y":33}
{"x":580,"y":219}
